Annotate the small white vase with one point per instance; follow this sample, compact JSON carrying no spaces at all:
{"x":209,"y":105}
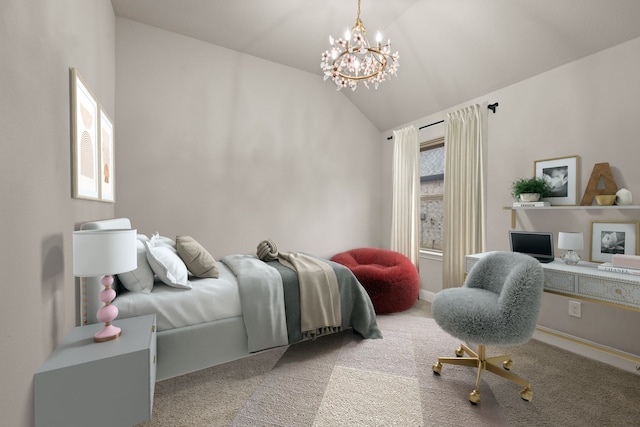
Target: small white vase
{"x":529,"y":197}
{"x":623,"y":197}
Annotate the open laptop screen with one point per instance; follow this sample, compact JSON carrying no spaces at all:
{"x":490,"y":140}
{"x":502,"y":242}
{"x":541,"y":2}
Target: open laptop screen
{"x":537,"y":244}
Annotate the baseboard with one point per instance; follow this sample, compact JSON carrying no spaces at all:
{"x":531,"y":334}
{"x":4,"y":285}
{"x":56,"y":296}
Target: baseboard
{"x":620,"y":359}
{"x":426,"y":295}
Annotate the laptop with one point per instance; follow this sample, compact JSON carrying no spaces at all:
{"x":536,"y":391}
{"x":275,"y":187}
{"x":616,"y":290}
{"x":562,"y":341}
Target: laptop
{"x":536,"y":244}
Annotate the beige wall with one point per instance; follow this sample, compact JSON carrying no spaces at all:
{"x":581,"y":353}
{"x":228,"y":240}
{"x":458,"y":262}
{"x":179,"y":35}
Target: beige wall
{"x":39,"y":41}
{"x":587,"y":108}
{"x":232,"y":149}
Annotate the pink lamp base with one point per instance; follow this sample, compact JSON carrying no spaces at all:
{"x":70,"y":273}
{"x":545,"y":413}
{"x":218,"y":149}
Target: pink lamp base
{"x":107,"y":313}
{"x":108,"y":333}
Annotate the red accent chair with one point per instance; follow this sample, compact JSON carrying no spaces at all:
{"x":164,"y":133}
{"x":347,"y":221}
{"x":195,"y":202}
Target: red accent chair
{"x":390,"y":278}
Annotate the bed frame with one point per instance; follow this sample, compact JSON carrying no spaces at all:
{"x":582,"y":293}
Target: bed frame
{"x":208,"y":344}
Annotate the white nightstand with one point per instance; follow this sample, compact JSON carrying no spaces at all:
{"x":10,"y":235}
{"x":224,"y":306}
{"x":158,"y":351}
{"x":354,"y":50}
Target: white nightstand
{"x":84,"y":383}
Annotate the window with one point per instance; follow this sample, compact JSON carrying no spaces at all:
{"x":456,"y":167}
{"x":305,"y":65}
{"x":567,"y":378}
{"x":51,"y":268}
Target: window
{"x":431,"y":194}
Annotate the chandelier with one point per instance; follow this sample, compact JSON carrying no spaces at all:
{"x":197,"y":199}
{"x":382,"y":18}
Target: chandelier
{"x":352,"y":59}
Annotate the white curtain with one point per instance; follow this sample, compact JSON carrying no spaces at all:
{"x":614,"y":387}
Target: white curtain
{"x":405,"y":217}
{"x":464,"y":191}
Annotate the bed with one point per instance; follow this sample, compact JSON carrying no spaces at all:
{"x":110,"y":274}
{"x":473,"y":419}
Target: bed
{"x":250,"y":306}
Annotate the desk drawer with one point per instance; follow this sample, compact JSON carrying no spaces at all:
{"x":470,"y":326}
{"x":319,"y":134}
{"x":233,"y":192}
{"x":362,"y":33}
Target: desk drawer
{"x":618,"y":292}
{"x":559,"y":281}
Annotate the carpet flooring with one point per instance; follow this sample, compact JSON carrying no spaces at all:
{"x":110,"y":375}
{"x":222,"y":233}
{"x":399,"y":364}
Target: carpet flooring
{"x":344,"y":380}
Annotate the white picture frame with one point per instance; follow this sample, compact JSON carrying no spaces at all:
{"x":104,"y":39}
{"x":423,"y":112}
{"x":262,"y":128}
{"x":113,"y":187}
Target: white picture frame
{"x":613,"y":237}
{"x":84,"y":130}
{"x":107,"y":158}
{"x":562,"y":175}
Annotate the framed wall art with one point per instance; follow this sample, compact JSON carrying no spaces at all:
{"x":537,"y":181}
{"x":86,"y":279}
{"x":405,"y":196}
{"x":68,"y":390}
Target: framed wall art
{"x":562,"y":175}
{"x":92,"y":135}
{"x":610,"y":237}
{"x":84,"y":129}
{"x":107,"y":169}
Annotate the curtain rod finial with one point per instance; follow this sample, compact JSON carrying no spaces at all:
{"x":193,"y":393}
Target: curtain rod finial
{"x":493,"y":107}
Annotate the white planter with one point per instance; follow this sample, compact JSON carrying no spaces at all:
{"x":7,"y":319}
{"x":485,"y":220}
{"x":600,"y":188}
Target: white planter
{"x":529,"y":197}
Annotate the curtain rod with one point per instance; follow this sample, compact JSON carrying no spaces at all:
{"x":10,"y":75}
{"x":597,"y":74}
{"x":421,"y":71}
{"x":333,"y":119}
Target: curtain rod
{"x":491,"y":107}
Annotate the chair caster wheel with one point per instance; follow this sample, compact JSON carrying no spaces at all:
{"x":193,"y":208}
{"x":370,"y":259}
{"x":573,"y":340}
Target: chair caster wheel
{"x":507,"y":364}
{"x":459,"y":351}
{"x":526,"y":394}
{"x":437,"y":367}
{"x":474,"y":397}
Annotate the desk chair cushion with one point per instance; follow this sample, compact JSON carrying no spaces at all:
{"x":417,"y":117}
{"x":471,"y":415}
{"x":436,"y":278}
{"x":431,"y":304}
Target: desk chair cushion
{"x":499,"y":302}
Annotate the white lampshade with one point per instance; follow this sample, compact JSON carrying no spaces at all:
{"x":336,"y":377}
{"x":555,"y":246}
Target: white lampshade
{"x":570,"y":241}
{"x":104,"y":252}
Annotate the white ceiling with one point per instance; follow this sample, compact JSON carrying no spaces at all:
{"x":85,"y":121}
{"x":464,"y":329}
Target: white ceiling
{"x":451,"y":51}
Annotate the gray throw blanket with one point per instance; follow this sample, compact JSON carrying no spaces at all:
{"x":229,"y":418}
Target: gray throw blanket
{"x":319,"y":293}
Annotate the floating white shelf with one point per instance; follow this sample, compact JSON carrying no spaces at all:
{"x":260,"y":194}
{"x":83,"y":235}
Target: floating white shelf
{"x":513,"y":209}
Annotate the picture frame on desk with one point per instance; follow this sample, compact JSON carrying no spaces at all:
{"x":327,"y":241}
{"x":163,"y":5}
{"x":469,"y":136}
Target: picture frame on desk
{"x":562,"y":175}
{"x":613,"y":237}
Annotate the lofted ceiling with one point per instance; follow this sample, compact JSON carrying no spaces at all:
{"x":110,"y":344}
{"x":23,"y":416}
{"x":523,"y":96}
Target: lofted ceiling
{"x":451,"y":51}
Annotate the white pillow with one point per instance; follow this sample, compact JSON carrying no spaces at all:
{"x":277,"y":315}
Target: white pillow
{"x":167,"y":265}
{"x":159,"y":240}
{"x":140,"y":279}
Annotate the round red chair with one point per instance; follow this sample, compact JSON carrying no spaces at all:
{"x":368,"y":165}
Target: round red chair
{"x":390,"y":278}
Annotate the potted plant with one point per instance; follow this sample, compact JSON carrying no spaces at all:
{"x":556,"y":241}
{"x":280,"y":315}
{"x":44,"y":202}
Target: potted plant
{"x":530,"y":189}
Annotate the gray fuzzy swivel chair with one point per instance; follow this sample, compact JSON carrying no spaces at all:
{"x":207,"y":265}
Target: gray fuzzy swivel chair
{"x":498,"y":304}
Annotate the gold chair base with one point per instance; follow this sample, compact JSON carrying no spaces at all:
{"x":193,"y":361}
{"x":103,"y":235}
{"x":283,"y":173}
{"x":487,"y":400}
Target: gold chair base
{"x":481,"y":362}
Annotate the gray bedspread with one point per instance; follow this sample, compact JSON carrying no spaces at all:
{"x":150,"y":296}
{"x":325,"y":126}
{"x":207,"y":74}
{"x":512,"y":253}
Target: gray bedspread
{"x":357,"y":309}
{"x":262,"y":301}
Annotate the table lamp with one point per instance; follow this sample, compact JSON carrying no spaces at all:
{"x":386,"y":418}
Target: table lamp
{"x":571,"y":242}
{"x":103,"y":253}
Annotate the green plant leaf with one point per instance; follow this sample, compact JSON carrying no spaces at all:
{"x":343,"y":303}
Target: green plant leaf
{"x":530,"y":185}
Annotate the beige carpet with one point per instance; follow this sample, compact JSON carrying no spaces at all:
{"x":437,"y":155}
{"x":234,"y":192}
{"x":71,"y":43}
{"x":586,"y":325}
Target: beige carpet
{"x":343,"y":380}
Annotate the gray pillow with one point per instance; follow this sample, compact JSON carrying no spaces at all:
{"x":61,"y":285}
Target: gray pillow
{"x":198,"y":261}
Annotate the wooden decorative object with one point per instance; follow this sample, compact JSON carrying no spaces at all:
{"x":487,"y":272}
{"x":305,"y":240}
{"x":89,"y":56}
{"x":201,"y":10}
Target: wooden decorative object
{"x":600,"y":171}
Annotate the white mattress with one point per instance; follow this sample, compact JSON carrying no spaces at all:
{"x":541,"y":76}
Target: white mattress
{"x":206,"y":301}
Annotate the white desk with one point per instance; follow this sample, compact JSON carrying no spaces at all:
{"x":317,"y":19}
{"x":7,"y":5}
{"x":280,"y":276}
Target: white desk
{"x":585,"y":281}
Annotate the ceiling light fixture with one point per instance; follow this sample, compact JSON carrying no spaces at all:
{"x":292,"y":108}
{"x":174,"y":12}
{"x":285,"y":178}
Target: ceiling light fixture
{"x":352,"y":59}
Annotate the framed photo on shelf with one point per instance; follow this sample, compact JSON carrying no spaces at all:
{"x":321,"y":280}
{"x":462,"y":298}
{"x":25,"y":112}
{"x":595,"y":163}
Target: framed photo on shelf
{"x":611,"y":237}
{"x":107,"y":169}
{"x":84,"y":129}
{"x":562,"y":175}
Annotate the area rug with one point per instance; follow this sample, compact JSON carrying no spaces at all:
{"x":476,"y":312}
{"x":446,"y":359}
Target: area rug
{"x":336,"y":380}
{"x":343,"y":380}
